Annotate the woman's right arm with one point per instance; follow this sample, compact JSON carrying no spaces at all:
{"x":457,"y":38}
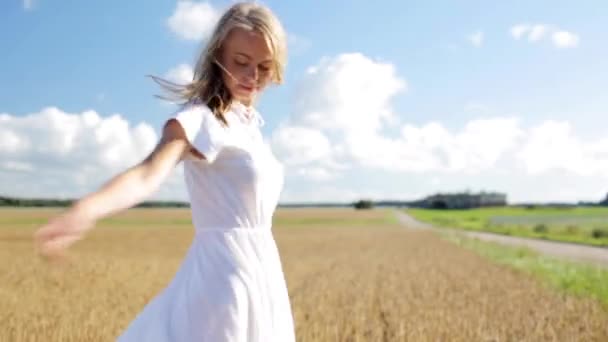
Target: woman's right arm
{"x":123,"y":191}
{"x":137,"y":183}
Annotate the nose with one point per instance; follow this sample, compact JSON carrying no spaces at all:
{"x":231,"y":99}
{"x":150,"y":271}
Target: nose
{"x":252,"y":73}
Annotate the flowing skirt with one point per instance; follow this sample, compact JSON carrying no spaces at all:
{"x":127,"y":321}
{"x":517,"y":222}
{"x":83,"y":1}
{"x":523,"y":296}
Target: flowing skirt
{"x":230,"y":287}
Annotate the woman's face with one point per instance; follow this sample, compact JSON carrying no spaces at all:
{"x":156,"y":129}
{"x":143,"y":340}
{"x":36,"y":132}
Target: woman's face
{"x":248,"y":59}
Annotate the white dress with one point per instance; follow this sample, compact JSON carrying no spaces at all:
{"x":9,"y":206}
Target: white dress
{"x":230,"y":287}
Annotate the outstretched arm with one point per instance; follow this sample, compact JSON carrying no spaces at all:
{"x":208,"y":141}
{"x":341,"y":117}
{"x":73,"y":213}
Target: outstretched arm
{"x":123,"y":191}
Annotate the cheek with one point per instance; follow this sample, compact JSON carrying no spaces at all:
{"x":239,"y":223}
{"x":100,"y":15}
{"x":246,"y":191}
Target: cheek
{"x":262,"y":84}
{"x":264,"y":81}
{"x":229,"y":82}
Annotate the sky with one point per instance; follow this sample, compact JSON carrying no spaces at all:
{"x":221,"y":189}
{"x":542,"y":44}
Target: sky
{"x":391,"y":100}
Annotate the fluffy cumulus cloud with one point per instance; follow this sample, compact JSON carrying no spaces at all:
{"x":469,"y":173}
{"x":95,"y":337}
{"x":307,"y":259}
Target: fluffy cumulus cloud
{"x":342,"y":117}
{"x":565,"y":39}
{"x":54,"y":153}
{"x":538,"y":32}
{"x":193,"y":20}
{"x":348,"y":93}
{"x":475,"y":148}
{"x":554,"y":145}
{"x":345,"y":96}
{"x":309,"y":143}
{"x":180,"y":74}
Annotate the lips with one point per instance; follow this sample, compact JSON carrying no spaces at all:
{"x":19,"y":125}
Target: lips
{"x":246,"y":88}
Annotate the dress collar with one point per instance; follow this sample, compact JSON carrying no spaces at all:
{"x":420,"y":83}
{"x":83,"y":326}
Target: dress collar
{"x":247,"y":114}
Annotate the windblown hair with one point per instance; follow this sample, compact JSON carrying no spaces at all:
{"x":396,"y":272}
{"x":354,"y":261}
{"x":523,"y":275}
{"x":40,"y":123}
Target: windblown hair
{"x":207,"y":85}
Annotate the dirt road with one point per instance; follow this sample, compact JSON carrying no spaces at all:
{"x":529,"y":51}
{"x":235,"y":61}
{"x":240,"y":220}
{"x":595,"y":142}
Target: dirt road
{"x":589,"y":254}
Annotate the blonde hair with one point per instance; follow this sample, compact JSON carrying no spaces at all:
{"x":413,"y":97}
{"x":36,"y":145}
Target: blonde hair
{"x":207,"y":84}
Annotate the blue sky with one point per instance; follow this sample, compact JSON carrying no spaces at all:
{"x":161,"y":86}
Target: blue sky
{"x":436,"y":67}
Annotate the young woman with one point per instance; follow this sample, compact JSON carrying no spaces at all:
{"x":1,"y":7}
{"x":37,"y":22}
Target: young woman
{"x":230,"y":286}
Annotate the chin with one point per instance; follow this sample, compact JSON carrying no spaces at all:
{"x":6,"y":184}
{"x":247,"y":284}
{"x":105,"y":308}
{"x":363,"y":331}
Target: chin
{"x":246,"y":99}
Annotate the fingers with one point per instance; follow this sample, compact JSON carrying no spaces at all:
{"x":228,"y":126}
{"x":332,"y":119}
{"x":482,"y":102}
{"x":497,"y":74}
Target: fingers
{"x":53,"y":239}
{"x":51,"y":242}
{"x":57,"y":245}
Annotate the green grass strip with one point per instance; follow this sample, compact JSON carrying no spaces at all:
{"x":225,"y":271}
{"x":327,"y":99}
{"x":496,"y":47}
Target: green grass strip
{"x":569,"y":276}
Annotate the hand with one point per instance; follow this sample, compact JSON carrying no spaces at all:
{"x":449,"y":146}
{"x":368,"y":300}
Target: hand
{"x":53,"y":239}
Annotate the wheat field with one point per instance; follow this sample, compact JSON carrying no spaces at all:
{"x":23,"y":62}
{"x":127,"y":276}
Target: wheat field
{"x":352,"y":276}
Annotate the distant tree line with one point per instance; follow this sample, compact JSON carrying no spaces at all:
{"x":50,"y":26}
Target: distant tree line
{"x":467,"y":200}
{"x":33,"y":202}
{"x":38,"y":202}
{"x":462,"y":200}
{"x":6,"y":201}
{"x":604,"y":201}
{"x":364,"y":204}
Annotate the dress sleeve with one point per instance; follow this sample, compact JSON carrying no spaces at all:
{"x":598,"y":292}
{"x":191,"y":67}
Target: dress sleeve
{"x":202,"y":129}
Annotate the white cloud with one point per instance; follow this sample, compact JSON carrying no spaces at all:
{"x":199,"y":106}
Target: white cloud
{"x":54,"y":153}
{"x":323,"y":194}
{"x":339,"y":125}
{"x":301,"y":145}
{"x":565,"y":39}
{"x":307,"y":152}
{"x":518,"y":31}
{"x":11,"y":142}
{"x":553,"y":146}
{"x":476,"y":38}
{"x":347,"y":93}
{"x":537,"y":32}
{"x":346,"y":96}
{"x":193,"y":20}
{"x":435,"y":181}
{"x":10,"y":165}
{"x":28,"y":5}
{"x":316,"y":173}
{"x":180,"y":74}
{"x":57,"y":154}
{"x":346,"y":100}
{"x":476,"y":148}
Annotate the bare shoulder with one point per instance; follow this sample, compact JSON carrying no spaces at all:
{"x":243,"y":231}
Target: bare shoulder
{"x":173,"y":130}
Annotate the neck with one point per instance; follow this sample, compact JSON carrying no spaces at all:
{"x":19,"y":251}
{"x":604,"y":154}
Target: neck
{"x":245,"y":102}
{"x":243,"y":106}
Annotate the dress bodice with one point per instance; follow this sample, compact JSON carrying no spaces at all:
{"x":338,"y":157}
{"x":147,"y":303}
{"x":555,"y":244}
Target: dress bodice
{"x":239,"y":182}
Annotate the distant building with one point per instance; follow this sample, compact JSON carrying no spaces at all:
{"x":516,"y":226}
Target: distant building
{"x":462,"y":200}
